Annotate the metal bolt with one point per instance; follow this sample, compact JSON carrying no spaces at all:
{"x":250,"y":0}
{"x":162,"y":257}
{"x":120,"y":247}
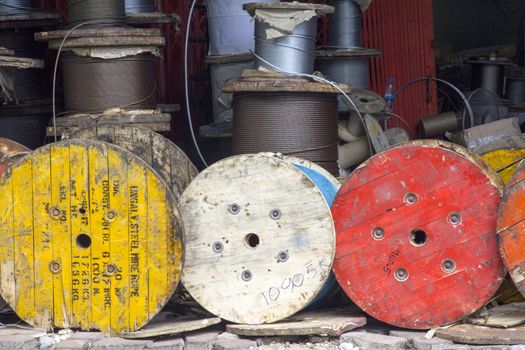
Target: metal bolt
{"x":401,"y":275}
{"x":111,"y":215}
{"x":246,"y":275}
{"x":411,"y":198}
{"x":234,"y":209}
{"x":454,"y":219}
{"x":378,"y":233}
{"x":55,"y":212}
{"x":448,"y":265}
{"x":218,"y":247}
{"x":111,"y":269}
{"x":55,"y":267}
{"x":275,"y":214}
{"x":283,"y":256}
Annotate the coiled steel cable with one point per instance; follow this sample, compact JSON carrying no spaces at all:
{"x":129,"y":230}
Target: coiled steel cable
{"x":140,"y":6}
{"x":105,"y":12}
{"x":298,"y":123}
{"x":345,"y":25}
{"x":15,"y":6}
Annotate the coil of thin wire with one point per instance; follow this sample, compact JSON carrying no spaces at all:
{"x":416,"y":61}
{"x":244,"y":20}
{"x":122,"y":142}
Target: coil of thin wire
{"x":29,"y":84}
{"x":293,"y":53}
{"x":299,"y":124}
{"x":15,"y":6}
{"x":345,"y":25}
{"x":140,"y":6}
{"x":111,"y":12}
{"x":94,"y":85}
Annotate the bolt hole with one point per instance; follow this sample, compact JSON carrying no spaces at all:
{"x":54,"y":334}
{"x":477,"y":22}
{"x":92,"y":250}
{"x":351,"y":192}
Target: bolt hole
{"x":401,"y":275}
{"x":418,"y":237}
{"x":252,"y":240}
{"x":364,"y":100}
{"x":83,"y":241}
{"x":246,"y":275}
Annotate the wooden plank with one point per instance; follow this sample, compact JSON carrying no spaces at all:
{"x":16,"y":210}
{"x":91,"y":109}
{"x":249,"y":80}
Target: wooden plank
{"x":169,"y":327}
{"x":243,"y":264}
{"x":277,"y":84}
{"x":98,"y":33}
{"x":60,"y":227}
{"x":120,"y":41}
{"x":23,"y":242}
{"x":72,"y":256}
{"x":20,"y":62}
{"x":80,"y":229}
{"x":407,"y":222}
{"x":320,"y":9}
{"x":479,"y":335}
{"x":503,"y":316}
{"x":326,"y":323}
{"x":64,"y":132}
{"x":43,"y":238}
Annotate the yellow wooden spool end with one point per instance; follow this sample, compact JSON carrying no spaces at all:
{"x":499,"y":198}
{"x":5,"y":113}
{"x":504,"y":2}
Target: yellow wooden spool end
{"x":90,"y":238}
{"x":504,"y":161}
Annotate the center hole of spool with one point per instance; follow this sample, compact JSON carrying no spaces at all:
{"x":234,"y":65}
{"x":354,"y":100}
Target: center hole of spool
{"x":364,"y":100}
{"x":252,"y":240}
{"x":418,"y":237}
{"x":83,"y":241}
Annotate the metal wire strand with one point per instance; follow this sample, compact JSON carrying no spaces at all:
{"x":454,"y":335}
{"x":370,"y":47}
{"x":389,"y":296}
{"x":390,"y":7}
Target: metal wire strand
{"x":105,"y":12}
{"x":15,"y":6}
{"x":345,"y":25}
{"x":140,"y":6}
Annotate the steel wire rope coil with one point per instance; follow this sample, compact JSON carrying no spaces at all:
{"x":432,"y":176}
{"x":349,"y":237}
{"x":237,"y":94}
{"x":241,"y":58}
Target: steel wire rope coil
{"x":113,"y":12}
{"x":15,"y":6}
{"x":140,"y":6}
{"x":345,"y":25}
{"x":296,"y":123}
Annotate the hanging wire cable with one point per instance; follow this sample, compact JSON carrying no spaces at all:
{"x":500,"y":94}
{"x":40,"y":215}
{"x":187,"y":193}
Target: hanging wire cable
{"x":186,"y":85}
{"x":428,"y":79}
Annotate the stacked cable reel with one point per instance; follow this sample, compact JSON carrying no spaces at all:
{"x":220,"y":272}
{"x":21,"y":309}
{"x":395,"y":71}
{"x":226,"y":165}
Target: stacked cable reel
{"x":259,"y":237}
{"x":108,"y":68}
{"x":416,"y":235}
{"x":24,"y":88}
{"x":230,"y":32}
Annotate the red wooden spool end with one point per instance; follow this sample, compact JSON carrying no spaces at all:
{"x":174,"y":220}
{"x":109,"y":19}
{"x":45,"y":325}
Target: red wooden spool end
{"x":416,"y":235}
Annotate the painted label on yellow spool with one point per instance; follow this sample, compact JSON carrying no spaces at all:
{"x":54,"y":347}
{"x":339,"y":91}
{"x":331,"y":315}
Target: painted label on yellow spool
{"x":90,"y":238}
{"x":504,"y":161}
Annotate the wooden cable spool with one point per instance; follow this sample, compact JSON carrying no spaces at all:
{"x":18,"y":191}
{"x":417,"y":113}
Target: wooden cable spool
{"x":505,"y":162}
{"x":91,"y":238}
{"x":511,"y":228}
{"x":416,"y":235}
{"x":170,"y":162}
{"x":259,"y":238}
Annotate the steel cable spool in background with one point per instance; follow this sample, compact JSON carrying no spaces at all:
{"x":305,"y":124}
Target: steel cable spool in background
{"x":293,"y":52}
{"x":348,"y":66}
{"x":112,"y":12}
{"x":345,"y":25}
{"x":515,"y":90}
{"x":29,"y":84}
{"x":95,"y":84}
{"x":489,"y":73}
{"x":416,"y":230}
{"x":302,"y":124}
{"x":140,"y":6}
{"x":259,"y":237}
{"x":15,"y":6}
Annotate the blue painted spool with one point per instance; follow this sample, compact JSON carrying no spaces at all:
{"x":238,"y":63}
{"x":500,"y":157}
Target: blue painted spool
{"x":329,"y":191}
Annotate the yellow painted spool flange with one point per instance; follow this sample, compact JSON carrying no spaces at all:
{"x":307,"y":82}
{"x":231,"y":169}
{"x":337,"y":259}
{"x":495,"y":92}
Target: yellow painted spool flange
{"x":504,"y":161}
{"x":90,"y":238}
